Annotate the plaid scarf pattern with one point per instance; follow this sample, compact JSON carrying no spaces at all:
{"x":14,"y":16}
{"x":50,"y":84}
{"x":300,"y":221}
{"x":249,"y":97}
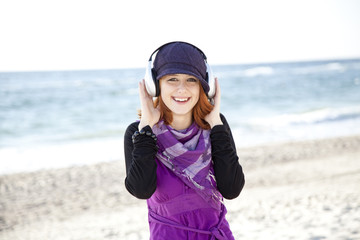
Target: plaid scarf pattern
{"x":188,"y":154}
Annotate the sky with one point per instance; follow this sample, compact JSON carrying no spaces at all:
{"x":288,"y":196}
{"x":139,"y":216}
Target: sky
{"x":111,"y":34}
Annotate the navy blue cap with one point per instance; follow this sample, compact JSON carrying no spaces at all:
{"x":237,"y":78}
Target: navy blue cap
{"x":181,"y":58}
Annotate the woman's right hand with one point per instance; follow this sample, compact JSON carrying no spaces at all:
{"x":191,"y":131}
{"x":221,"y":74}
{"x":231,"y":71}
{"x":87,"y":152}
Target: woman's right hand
{"x":149,"y":114}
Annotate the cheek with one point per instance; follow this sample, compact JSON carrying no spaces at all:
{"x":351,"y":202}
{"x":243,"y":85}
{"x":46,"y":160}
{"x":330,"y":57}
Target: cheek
{"x":165,"y":97}
{"x":196,"y":94}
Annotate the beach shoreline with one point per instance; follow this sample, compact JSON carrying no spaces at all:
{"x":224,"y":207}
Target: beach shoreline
{"x":294,"y":190}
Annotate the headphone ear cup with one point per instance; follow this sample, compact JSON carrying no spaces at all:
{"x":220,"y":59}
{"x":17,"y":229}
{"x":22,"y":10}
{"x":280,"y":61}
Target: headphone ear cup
{"x":149,"y":81}
{"x":156,"y":83}
{"x":211,"y":81}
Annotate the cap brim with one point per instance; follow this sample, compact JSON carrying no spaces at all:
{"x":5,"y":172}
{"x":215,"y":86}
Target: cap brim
{"x":170,"y":71}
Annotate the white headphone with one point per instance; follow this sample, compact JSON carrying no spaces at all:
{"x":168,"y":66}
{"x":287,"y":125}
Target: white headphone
{"x":152,"y":85}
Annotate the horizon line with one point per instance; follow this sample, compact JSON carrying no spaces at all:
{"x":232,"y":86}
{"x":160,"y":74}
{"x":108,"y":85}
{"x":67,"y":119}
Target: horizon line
{"x":213,"y":65}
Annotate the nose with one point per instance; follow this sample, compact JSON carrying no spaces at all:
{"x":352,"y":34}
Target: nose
{"x":181,"y":87}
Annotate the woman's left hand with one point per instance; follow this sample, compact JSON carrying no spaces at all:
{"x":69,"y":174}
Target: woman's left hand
{"x":213,"y":118}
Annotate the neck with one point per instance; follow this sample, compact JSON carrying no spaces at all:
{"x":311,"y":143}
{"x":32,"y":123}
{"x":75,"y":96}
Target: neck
{"x":181,"y":122}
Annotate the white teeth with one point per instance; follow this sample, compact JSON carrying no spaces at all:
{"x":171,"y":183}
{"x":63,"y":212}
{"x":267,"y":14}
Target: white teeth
{"x":181,"y":99}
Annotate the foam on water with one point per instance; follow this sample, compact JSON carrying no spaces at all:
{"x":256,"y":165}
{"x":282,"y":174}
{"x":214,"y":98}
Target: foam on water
{"x":311,"y":117}
{"x":258,"y":71}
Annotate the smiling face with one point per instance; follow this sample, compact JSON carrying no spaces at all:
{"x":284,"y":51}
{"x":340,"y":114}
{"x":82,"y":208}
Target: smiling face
{"x":180,"y":93}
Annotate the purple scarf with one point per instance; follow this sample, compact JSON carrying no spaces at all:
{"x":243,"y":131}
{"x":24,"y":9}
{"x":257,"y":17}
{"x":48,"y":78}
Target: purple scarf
{"x":188,"y":154}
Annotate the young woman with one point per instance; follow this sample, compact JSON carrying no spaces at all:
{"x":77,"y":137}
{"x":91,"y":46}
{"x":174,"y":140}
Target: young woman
{"x":181,"y":155}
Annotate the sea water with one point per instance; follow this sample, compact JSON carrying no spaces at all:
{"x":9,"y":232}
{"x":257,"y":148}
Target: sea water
{"x":55,"y":119}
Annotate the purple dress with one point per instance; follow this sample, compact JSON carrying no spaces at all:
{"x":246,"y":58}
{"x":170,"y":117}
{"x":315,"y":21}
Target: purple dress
{"x":176,"y":211}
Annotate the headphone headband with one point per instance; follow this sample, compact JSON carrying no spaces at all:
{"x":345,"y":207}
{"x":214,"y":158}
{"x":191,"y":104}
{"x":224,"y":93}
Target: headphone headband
{"x":202,"y":53}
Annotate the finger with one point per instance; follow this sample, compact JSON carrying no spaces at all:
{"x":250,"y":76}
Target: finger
{"x":146,"y":100}
{"x":217,"y":90}
{"x":141,"y":85}
{"x":142,"y":89}
{"x":142,"y":93}
{"x":217,"y":96}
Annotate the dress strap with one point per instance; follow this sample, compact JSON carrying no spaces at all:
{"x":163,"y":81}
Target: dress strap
{"x":215,"y":232}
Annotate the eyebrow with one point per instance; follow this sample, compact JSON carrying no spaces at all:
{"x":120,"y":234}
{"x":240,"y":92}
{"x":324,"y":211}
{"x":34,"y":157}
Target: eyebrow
{"x":176,"y":75}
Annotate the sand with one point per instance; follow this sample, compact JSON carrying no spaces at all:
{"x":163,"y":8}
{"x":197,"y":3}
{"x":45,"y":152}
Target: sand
{"x":300,"y":190}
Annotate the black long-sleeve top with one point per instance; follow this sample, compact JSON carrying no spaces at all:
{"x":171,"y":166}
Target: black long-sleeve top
{"x":141,"y":166}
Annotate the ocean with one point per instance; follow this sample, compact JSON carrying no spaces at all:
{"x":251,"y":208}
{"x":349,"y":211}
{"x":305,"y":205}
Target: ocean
{"x":54,"y":119}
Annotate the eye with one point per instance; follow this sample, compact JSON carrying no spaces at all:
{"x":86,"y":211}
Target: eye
{"x":192,"y":80}
{"x":172,"y":79}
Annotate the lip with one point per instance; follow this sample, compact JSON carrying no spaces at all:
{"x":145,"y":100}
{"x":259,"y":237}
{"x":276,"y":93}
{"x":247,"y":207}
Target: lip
{"x":181,"y":99}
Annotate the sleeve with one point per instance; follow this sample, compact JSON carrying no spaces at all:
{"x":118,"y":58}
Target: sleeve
{"x":228,"y":171}
{"x":140,"y":163}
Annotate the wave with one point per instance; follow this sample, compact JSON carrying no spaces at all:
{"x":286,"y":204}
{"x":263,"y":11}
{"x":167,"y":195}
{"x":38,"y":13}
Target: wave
{"x":329,"y":67}
{"x":313,"y":117}
{"x":57,"y":84}
{"x":258,"y":71}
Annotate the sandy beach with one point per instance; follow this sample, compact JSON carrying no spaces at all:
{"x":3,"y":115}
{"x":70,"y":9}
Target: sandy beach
{"x":297,"y":190}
